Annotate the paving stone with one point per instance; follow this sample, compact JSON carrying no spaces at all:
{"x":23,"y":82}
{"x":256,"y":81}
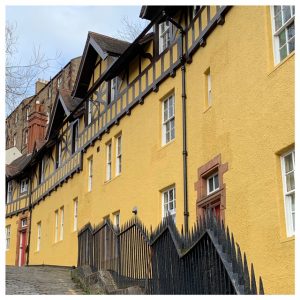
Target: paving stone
{"x":40,"y":280}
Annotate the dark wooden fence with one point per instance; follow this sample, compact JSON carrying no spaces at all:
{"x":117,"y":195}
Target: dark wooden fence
{"x":206,"y":261}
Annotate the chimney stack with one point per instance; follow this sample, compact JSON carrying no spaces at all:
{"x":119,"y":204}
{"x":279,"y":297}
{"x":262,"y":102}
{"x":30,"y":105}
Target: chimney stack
{"x":39,"y":84}
{"x":37,"y":122}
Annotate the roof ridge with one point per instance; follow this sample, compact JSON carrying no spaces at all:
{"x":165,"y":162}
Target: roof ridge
{"x":110,"y":37}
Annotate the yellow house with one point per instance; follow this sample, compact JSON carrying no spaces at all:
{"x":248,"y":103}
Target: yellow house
{"x":196,"y":113}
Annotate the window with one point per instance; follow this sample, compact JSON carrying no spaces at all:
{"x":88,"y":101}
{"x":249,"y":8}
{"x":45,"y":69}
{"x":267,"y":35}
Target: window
{"x":27,"y":113}
{"x":7,"y":236}
{"x":25,"y":137}
{"x":117,"y":218}
{"x":75,"y":214}
{"x":23,"y":223}
{"x":119,"y":155}
{"x":212,"y":183}
{"x":211,"y":190}
{"x":39,"y":236}
{"x":58,"y":154}
{"x":113,"y":90}
{"x":108,"y":161}
{"x":288,"y":176}
{"x":9,"y":192}
{"x":42,"y":171}
{"x":59,"y":82}
{"x":61,"y":223}
{"x":75,"y":136}
{"x":283,"y":31}
{"x":24,"y":186}
{"x":15,"y":140}
{"x":168,"y":120}
{"x":16,"y":118}
{"x":90,"y":112}
{"x":56,"y":226}
{"x":165,"y":34}
{"x":50,"y":91}
{"x":208,"y":88}
{"x":169,"y":203}
{"x":90,"y":178}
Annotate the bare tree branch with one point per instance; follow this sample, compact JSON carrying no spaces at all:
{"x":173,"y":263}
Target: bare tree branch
{"x":20,"y":76}
{"x":130,"y":30}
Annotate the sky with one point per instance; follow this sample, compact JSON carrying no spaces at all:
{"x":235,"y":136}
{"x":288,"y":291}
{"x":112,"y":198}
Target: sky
{"x":62,"y":30}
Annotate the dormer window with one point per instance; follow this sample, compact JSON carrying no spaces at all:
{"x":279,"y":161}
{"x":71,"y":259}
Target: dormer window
{"x":165,"y":34}
{"x":24,"y":186}
{"x":9,"y":192}
{"x":59,"y":82}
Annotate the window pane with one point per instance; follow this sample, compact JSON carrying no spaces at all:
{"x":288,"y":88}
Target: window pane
{"x":290,"y":182}
{"x":286,"y":13}
{"x":291,"y":45}
{"x":171,"y":205}
{"x":283,"y":53}
{"x":282,"y":38}
{"x":278,"y":21}
{"x":288,"y":163}
{"x":291,"y":30}
{"x":216,"y":181}
{"x":277,"y":9}
{"x":165,"y":110}
{"x":165,"y":197}
{"x":166,"y":209}
{"x":171,"y":195}
{"x":172,"y":129}
{"x":211,"y":184}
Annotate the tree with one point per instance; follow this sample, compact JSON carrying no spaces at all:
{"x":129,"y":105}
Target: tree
{"x":20,"y":76}
{"x":130,"y":30}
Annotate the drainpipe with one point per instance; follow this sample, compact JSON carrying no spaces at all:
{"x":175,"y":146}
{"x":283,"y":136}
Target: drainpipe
{"x":30,"y":218}
{"x":184,"y":144}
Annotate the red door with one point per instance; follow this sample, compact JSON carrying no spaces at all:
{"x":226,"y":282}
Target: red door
{"x":22,"y":250}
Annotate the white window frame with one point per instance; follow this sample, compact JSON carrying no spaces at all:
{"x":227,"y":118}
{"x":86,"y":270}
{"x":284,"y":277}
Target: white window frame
{"x":9,"y":195}
{"x":209,"y":94}
{"x":90,"y":112}
{"x":15,"y":140}
{"x":56,"y":226}
{"x":166,"y":193}
{"x":59,"y":160}
{"x":90,"y":173}
{"x":75,"y":220}
{"x":59,"y":81}
{"x":165,"y":35}
{"x":7,"y":236}
{"x":116,"y":218}
{"x":290,"y":229}
{"x":108,"y":161}
{"x":167,"y":120}
{"x":62,"y":219}
{"x":118,"y":154}
{"x":16,"y":118}
{"x":39,"y":236}
{"x":277,"y":32}
{"x":42,"y":165}
{"x":23,"y":222}
{"x":24,"y":186}
{"x":27,"y":113}
{"x":213,"y":176}
{"x":26,"y":137}
{"x":113,"y":89}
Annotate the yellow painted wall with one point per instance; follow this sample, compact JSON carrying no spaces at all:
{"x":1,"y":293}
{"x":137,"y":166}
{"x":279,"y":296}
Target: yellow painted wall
{"x":10,"y":254}
{"x":250,"y":122}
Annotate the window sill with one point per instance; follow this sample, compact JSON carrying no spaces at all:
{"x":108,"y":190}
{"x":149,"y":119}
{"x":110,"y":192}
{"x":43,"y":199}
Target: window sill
{"x":287,"y":239}
{"x":277,"y":66}
{"x":207,"y":109}
{"x":167,"y":144}
{"x":112,"y":179}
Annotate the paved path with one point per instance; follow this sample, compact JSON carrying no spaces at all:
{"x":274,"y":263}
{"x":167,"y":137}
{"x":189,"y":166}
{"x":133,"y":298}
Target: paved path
{"x":40,"y":281}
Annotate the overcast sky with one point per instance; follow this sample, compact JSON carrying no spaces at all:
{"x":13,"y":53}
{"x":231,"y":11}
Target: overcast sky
{"x":63,"y":29}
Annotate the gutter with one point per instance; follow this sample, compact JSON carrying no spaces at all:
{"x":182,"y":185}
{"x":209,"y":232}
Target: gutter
{"x":184,"y":139}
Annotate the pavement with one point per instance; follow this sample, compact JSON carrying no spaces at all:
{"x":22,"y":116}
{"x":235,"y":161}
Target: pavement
{"x":40,"y":280}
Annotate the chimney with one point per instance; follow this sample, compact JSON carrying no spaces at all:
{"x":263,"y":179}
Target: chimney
{"x":37,"y":122}
{"x":39,"y":84}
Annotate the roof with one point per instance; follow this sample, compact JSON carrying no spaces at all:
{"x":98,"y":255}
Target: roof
{"x":63,"y":106}
{"x":149,"y":12}
{"x":109,"y":44}
{"x":96,"y":45}
{"x":17,"y":165}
